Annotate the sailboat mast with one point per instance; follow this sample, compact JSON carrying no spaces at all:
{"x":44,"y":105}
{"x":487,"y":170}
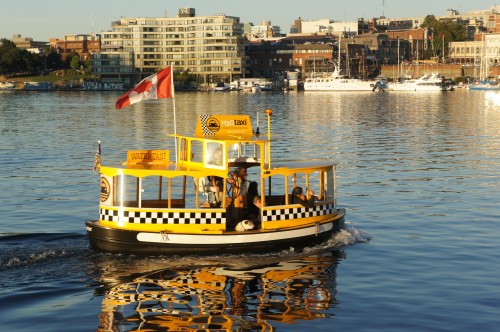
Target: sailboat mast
{"x":399,"y":68}
{"x":338,"y":56}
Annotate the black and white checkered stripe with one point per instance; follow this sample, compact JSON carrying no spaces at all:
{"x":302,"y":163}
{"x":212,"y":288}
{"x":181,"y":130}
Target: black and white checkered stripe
{"x":297,"y":212}
{"x":171,"y":218}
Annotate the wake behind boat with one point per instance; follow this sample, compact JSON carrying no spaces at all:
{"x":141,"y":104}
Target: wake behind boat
{"x":202,"y":202}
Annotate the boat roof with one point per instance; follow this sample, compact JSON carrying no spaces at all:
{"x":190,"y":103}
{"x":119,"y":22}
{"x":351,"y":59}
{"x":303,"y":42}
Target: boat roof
{"x":233,"y":128}
{"x":213,"y":132}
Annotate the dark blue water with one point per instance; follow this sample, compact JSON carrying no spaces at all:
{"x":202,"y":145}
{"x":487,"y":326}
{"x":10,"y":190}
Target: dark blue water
{"x":419,"y":175}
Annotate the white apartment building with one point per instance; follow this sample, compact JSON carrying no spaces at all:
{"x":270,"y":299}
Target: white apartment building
{"x":211,"y":47}
{"x":265,"y":31}
{"x":486,"y":50}
{"x":482,"y":54}
{"x":325,"y":25}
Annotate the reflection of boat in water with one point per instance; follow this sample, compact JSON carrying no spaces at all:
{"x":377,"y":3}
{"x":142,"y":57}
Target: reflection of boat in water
{"x":222,"y":298}
{"x":150,"y":205}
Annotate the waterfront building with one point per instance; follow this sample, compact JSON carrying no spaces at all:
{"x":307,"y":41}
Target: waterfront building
{"x":348,"y":29}
{"x":270,"y":60}
{"x":465,"y":52}
{"x":264,"y":31}
{"x":478,"y":21}
{"x":83,"y":45}
{"x":314,"y":59}
{"x":27,"y":43}
{"x":210,"y":47}
{"x":483,"y":53}
{"x":412,"y":43}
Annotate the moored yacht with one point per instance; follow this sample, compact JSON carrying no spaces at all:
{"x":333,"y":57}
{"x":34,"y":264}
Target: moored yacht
{"x":338,"y":82}
{"x":427,"y":82}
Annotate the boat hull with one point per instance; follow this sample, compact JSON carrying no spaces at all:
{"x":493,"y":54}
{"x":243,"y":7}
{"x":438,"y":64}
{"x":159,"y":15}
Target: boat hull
{"x":484,"y":88}
{"x":114,"y":240}
{"x":343,"y":85}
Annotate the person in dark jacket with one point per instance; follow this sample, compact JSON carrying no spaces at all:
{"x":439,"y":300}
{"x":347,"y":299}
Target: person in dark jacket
{"x":253,"y":202}
{"x":298,"y":197}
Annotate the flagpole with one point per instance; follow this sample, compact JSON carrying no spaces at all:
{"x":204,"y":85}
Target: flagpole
{"x":175,"y":120}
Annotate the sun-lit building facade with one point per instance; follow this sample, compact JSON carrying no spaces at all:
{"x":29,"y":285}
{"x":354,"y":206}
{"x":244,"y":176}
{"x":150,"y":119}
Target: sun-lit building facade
{"x":210,"y":47}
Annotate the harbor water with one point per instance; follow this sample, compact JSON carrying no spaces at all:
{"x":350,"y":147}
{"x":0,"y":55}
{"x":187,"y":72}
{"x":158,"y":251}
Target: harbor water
{"x":419,"y":176}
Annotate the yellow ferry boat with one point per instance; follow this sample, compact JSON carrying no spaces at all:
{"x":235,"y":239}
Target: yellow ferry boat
{"x":222,"y":193}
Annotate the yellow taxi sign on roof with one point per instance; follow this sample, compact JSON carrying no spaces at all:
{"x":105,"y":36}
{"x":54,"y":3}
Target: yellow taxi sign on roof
{"x":147,"y":157}
{"x":217,"y":126}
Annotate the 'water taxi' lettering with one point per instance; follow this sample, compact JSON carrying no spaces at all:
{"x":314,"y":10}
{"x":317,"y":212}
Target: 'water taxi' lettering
{"x":147,"y":156}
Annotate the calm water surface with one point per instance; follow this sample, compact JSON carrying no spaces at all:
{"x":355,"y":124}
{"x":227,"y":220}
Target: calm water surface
{"x":419,"y":175}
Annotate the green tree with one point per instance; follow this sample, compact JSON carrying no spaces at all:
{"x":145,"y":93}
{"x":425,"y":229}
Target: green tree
{"x":68,"y":59}
{"x":12,"y":61}
{"x":75,"y":62}
{"x":53,"y":60}
{"x":6,"y":45}
{"x":445,"y":30}
{"x":185,"y":77}
{"x":88,"y":65}
{"x":29,"y":62}
{"x":7,"y":56}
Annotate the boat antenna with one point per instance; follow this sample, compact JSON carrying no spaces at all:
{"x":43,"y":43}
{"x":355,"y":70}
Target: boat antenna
{"x":257,"y":131}
{"x":269,"y":112}
{"x":173,"y":101}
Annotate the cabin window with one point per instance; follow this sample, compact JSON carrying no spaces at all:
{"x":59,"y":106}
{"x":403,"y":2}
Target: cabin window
{"x":316,"y":181}
{"x":183,"y":149}
{"x":214,"y":154}
{"x":172,"y":189}
{"x":150,"y":192}
{"x":127,"y":191}
{"x":197,"y":151}
{"x":239,"y":150}
{"x":275,"y":189}
{"x":150,"y":188}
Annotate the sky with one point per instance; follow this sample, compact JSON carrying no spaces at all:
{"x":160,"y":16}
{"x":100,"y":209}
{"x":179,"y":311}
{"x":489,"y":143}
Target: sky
{"x":42,"y":20}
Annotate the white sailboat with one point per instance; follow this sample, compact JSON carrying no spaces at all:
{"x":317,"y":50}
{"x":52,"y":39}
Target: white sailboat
{"x":484,"y":83}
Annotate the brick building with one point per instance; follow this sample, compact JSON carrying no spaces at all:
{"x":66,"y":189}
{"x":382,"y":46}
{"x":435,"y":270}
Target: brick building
{"x":83,"y":45}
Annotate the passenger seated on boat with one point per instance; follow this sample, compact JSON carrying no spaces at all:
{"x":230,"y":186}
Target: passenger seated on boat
{"x":216,"y":187}
{"x":253,"y":203}
{"x":298,"y":197}
{"x":237,"y":181}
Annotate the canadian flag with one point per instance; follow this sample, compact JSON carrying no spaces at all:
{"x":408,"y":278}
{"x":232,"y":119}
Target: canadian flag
{"x":156,"y":86}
